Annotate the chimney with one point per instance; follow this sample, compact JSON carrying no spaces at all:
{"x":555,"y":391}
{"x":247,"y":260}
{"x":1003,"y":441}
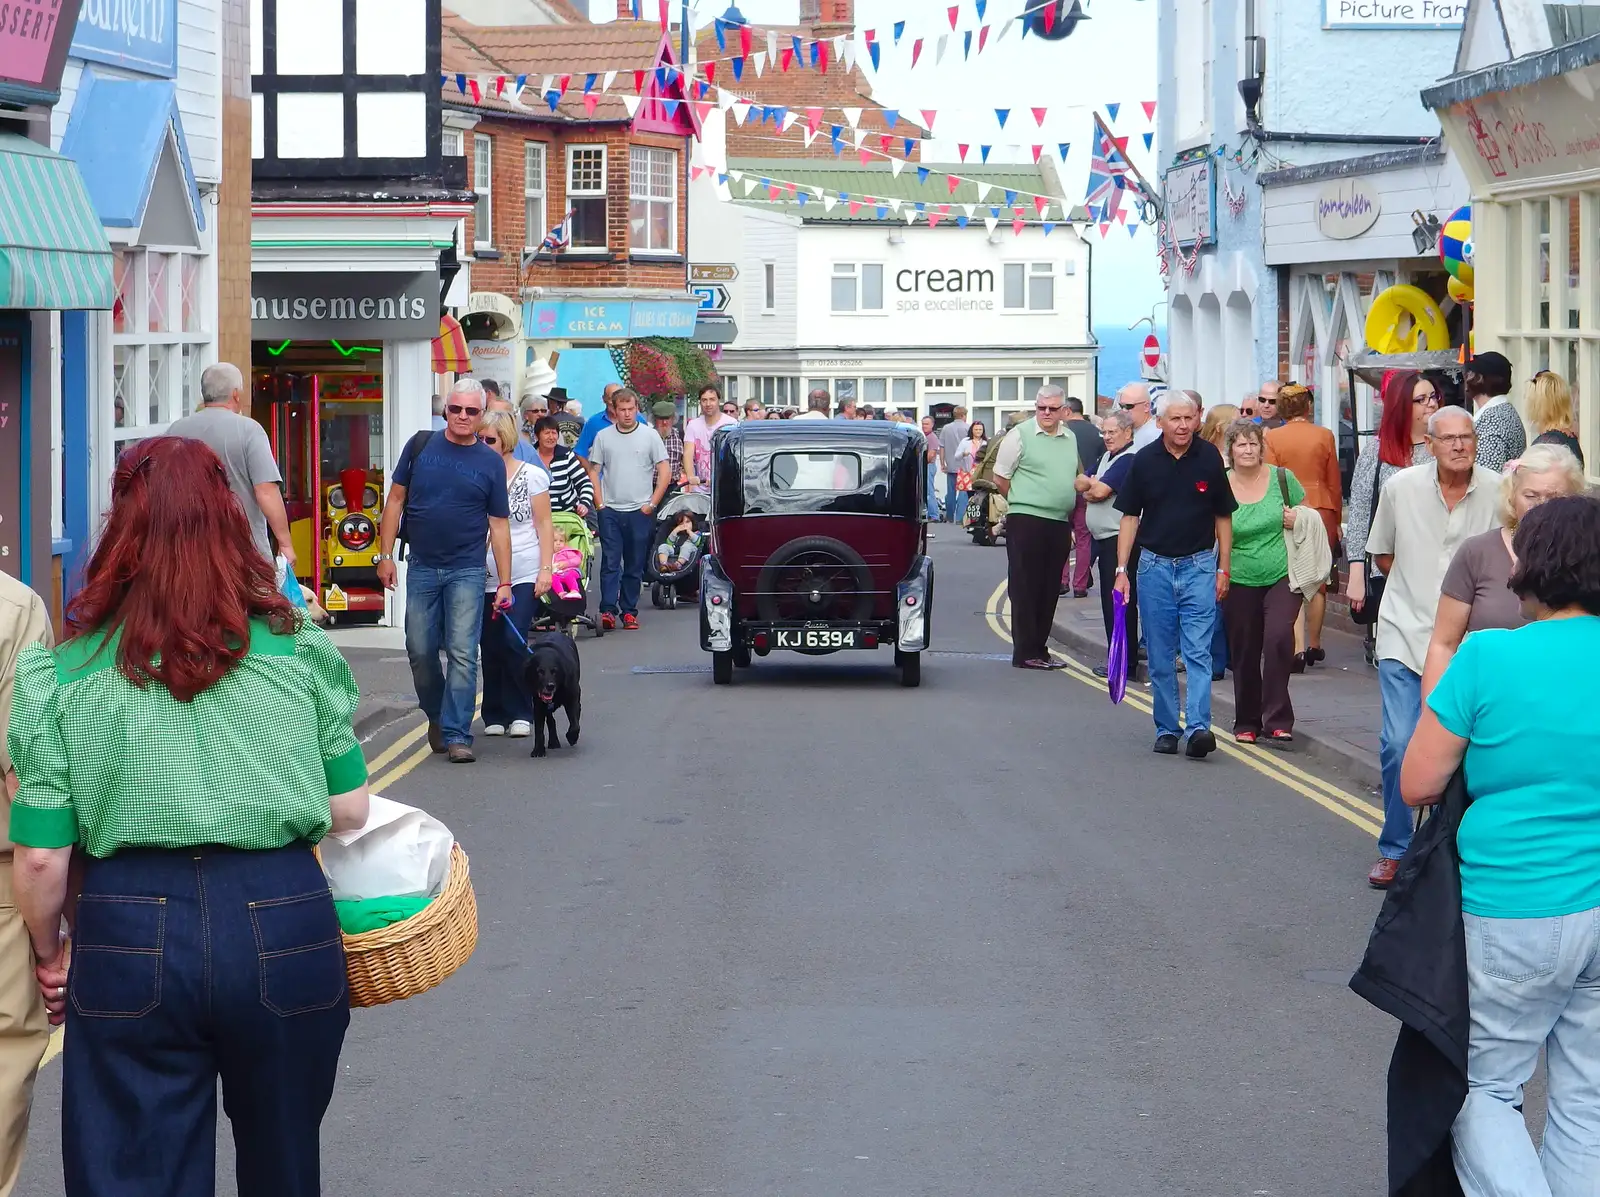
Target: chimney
{"x":624,"y":10}
{"x":837,"y":16}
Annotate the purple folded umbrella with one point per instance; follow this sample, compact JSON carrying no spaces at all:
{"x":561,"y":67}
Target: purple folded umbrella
{"x":1117,"y":654}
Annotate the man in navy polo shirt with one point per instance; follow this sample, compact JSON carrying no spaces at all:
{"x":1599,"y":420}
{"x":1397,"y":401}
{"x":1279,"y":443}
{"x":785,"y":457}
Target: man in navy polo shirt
{"x":451,"y":492}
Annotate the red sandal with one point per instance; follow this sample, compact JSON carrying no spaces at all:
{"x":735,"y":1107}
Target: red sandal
{"x":1245,"y":737}
{"x":1281,"y":737}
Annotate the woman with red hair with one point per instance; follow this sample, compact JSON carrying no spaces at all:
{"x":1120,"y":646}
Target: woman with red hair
{"x":1409,"y":399}
{"x":191,"y":740}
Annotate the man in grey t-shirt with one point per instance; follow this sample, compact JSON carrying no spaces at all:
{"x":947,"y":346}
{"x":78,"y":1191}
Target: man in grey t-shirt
{"x":246,"y":455}
{"x":631,"y":462}
{"x":950,"y":438}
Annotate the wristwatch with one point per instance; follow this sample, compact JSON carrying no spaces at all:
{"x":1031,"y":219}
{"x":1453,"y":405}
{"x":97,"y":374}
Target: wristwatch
{"x":383,"y":556}
{"x":1122,"y":569}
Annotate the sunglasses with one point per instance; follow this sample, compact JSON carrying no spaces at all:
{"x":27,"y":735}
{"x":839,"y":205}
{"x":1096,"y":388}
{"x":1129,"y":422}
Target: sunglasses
{"x":730,"y":411}
{"x":490,"y":440}
{"x":455,"y":409}
{"x":1048,"y":406}
{"x":1134,"y":404}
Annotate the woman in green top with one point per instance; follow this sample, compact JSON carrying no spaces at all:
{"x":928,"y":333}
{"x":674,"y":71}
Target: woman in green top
{"x":192,"y":740}
{"x":1260,"y":609}
{"x":1520,"y":707}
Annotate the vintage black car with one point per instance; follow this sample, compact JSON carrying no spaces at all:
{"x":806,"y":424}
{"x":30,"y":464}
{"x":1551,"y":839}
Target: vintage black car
{"x":818,"y":543}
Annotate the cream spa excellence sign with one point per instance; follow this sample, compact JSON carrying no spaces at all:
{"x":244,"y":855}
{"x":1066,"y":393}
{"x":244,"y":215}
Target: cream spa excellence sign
{"x":944,"y":290}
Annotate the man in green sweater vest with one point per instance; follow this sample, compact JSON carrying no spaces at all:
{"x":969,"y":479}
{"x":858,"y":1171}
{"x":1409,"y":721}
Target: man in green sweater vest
{"x":1039,"y":472}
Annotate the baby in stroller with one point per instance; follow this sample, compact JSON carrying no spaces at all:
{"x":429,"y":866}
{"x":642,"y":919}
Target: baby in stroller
{"x":566,"y":563}
{"x":681,"y":546}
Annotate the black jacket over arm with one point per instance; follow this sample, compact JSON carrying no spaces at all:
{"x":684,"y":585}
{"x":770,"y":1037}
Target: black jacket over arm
{"x":1416,"y":969}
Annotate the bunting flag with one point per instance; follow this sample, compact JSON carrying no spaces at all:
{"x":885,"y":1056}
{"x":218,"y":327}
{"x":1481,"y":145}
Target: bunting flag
{"x":1011,"y":198}
{"x":1040,"y":204}
{"x":1148,"y":139}
{"x":638,"y":82}
{"x":873,"y":53}
{"x":631,"y":103}
{"x":983,"y":150}
{"x":891,"y":117}
{"x":911,"y":145}
{"x":738,"y":68}
{"x":922,"y":174}
{"x":1038,"y":152}
{"x":853,"y":115}
{"x":896,"y":165}
{"x":983,"y":37}
{"x":1039,"y":115}
{"x":1112,"y":110}
{"x":477,"y":96}
{"x":822,"y":56}
{"x":588,"y":82}
{"x":961,"y":149}
{"x":1062,"y":148}
{"x":1149,"y":107}
{"x":899,"y":28}
{"x":788,"y":57}
{"x":952,"y":182}
{"x":983,"y":191}
{"x":1001,"y":114}
{"x":638,"y":13}
{"x":955,"y":14}
{"x":982,"y":6}
{"x":813,"y":119}
{"x":592,"y":101}
{"x":916,"y":51}
{"x":989,"y":222}
{"x":759,"y":58}
{"x":939,"y":47}
{"x":744,"y":41}
{"x":927,"y":118}
{"x":772,"y":45}
{"x":1133,"y":230}
{"x":605,"y":84}
{"x":720,"y":28}
{"x":665,"y":5}
{"x":966,"y":44}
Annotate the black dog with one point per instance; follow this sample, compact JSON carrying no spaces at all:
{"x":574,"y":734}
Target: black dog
{"x":551,"y":675}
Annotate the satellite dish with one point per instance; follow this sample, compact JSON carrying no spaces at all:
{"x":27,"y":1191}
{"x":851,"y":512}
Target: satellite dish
{"x":1063,"y":19}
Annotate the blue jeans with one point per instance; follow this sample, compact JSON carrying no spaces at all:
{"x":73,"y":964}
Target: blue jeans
{"x":1531,"y":983}
{"x":505,"y":690}
{"x":1219,"y":644}
{"x":1401,"y":693}
{"x":933,"y":492}
{"x":444,"y":613}
{"x":624,"y":549}
{"x":189,"y":964}
{"x":1177,"y":612}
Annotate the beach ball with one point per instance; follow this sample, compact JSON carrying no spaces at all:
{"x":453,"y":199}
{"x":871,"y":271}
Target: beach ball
{"x":1459,"y":291}
{"x":1455,"y":245}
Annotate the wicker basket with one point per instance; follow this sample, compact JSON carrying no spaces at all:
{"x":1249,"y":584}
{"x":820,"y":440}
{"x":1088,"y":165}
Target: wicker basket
{"x":408,"y":958}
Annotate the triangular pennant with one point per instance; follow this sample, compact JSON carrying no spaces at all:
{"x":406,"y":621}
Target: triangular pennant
{"x":990,"y":223}
{"x":745,"y":34}
{"x":981,"y":6}
{"x":852,"y":115}
{"x":952,"y":182}
{"x":858,"y":136}
{"x":864,"y":154}
{"x":1047,"y":226}
{"x":1122,"y":215}
{"x":822,"y":56}
{"x":1133,"y":230}
{"x":741,"y":110}
{"x":1038,"y":116}
{"x":726,"y":99}
{"x":927,"y":118}
{"x":969,"y":209}
{"x":779,"y":114}
{"x":848,"y":54}
{"x":1000,"y":114}
{"x":1049,"y":11}
{"x":910,"y":146}
{"x":884,"y":142}
{"x":813,"y":119}
{"x":983,"y":191}
{"x":874,"y":53}
{"x":665,"y":20}
{"x":855,"y":206}
{"x":835,"y":132}
{"x":803,"y":198}
{"x":552,"y":98}
{"x":1104,"y":229}
{"x":1038,"y":152}
{"x":760,"y":60}
{"x":891,"y":117}
{"x":605,"y":84}
{"x":810,"y":137}
{"x":916,"y":51}
{"x":773,"y":193}
{"x":772,"y":45}
{"x":896,"y":165}
{"x":477,"y":94}
{"x":1112,"y":110}
{"x":961,"y":149}
{"x":720,"y":27}
{"x":631,"y":103}
{"x":984,"y":150}
{"x":939,"y":47}
{"x":828,"y":202}
{"x":922,"y":174}
{"x":736,"y":175}
{"x":638,"y":82}
{"x":1011,"y":198}
{"x":933,"y":220}
{"x":1148,"y":139}
{"x":1149,"y":107}
{"x":1062,"y":149}
{"x":722,"y":179}
{"x":899,"y":28}
{"x":1122,"y":144}
{"x":955,"y":12}
{"x":738,"y":68}
{"x":911,"y":215}
{"x":983,"y":38}
{"x":592,"y":101}
{"x":662,"y":76}
{"x":1017,"y":226}
{"x":966,"y":44}
{"x":961,"y":222}
{"x":788,"y":57}
{"x":1041,"y":204}
{"x":461,"y":84}
{"x":789,"y":120}
{"x":703,"y":110}
{"x":894,"y":206}
{"x":1005,"y":28}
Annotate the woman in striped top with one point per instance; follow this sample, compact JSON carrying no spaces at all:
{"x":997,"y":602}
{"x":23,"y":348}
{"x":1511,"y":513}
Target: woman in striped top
{"x":570,"y":487}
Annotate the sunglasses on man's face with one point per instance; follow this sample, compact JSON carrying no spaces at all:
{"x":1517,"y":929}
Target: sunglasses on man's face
{"x":730,"y":411}
{"x":1048,"y":407}
{"x":455,"y":409}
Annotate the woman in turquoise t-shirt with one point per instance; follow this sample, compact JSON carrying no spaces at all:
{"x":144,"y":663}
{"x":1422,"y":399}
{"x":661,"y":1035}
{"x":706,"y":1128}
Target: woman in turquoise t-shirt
{"x":1260,"y":609}
{"x":1529,"y":847}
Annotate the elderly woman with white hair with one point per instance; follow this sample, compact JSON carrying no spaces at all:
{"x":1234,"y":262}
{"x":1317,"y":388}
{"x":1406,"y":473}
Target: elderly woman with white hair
{"x":1475,"y":594}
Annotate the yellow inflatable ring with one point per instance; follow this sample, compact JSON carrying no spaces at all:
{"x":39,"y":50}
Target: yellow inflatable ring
{"x":1404,"y":319}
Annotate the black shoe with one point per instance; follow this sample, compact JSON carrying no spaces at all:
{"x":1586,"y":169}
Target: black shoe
{"x":1314,"y":655}
{"x":1063,"y":592}
{"x":1100,"y":671}
{"x":1201,"y":744}
{"x":1080,"y":594}
{"x":1167,"y":745}
{"x":1218,"y":674}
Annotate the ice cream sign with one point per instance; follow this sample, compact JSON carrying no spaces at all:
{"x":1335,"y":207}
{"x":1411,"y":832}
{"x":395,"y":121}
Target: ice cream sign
{"x":34,"y":35}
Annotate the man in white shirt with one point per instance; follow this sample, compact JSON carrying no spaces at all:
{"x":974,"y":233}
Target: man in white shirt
{"x":697,"y":436}
{"x":1424,"y":513}
{"x":816,"y":405}
{"x":1135,"y":400}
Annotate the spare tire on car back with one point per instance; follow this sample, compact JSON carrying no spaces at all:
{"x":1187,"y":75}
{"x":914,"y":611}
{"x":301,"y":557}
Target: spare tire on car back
{"x":815,"y":578}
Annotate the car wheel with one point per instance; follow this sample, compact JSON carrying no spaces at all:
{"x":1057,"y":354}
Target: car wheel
{"x":910,"y":668}
{"x":815,"y":578}
{"x":741,"y":656}
{"x":722,"y":668}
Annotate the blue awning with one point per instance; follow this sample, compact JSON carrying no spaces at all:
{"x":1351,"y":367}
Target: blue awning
{"x":119,"y":133}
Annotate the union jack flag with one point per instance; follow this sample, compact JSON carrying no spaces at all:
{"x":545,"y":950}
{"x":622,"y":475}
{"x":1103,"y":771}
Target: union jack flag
{"x":1108,"y":175}
{"x":559,"y":237}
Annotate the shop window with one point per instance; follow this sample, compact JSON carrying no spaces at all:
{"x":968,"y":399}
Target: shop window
{"x":904,"y":392}
{"x":817,"y":384}
{"x":586,"y":195}
{"x":857,"y":287}
{"x":769,"y":287}
{"x":483,"y":184}
{"x":1030,"y":287}
{"x":533,"y":229}
{"x":875,"y":392}
{"x":652,"y":200}
{"x":1031,"y":388}
{"x":1008,"y":392}
{"x":844,"y":390}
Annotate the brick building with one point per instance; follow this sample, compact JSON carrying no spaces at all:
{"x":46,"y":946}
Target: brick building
{"x":605,"y":172}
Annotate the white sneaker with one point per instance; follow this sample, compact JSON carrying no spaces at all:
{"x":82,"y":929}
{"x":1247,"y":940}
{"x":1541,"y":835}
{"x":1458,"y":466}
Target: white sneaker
{"x":520,"y":728}
{"x":494,"y":729}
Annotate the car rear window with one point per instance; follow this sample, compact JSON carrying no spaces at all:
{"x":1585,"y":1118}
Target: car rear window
{"x":827,"y":472}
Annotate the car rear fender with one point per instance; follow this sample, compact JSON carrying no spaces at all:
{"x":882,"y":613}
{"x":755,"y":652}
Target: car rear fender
{"x":716,"y":606}
{"x":913,"y":602}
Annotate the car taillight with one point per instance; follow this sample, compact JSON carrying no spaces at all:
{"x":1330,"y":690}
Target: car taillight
{"x":760,"y":642}
{"x":870,"y":639}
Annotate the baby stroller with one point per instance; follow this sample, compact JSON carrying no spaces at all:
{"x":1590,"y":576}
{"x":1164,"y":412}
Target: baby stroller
{"x":566,"y":614}
{"x":673,"y":567}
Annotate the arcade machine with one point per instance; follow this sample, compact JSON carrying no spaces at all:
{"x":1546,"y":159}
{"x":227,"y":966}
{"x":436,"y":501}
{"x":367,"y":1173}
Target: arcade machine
{"x":326,"y":431}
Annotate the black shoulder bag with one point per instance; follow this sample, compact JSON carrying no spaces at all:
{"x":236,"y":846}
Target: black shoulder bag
{"x":413,"y":447}
{"x":1369,"y":609}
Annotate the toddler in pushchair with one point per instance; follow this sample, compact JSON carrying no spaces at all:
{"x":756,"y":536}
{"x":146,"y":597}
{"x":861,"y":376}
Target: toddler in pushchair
{"x":566,"y":565}
{"x":677,"y":543}
{"x":571,"y":560}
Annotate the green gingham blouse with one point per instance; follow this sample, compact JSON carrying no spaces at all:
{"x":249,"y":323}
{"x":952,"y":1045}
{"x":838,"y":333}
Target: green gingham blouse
{"x":248,"y":764}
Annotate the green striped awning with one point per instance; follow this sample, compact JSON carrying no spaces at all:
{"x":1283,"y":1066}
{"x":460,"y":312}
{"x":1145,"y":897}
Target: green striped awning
{"x":53,"y":251}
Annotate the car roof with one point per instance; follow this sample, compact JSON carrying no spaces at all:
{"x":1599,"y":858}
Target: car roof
{"x":820,"y":434}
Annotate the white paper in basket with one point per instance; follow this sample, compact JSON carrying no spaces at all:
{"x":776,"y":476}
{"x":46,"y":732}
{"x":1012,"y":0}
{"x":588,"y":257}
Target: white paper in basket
{"x":400,"y":852}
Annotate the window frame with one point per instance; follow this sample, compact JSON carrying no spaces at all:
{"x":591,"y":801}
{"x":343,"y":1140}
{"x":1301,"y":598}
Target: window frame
{"x":134,"y":346}
{"x":603,"y":195}
{"x":769,"y":288}
{"x":481,"y":223}
{"x":533,"y":231}
{"x":1032,"y":271}
{"x":649,"y":153}
{"x":856,"y":271}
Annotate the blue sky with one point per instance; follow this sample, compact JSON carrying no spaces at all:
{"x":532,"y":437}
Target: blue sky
{"x":1109,"y":58}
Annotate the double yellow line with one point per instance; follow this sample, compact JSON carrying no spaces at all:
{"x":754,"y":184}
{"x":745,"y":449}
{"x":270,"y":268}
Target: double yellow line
{"x":1352,"y":808}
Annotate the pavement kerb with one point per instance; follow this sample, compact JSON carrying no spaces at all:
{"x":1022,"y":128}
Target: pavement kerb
{"x":1357,"y":763}
{"x":377,"y":715}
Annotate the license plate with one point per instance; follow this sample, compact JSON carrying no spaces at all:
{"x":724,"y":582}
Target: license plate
{"x":819,"y":637}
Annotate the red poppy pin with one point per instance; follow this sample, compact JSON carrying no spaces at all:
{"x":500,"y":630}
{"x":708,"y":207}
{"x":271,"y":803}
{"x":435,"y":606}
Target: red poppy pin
{"x":1201,"y":486}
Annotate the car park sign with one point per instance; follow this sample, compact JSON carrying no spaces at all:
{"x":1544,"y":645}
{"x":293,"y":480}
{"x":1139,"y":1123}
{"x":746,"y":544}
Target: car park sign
{"x":713,"y":296}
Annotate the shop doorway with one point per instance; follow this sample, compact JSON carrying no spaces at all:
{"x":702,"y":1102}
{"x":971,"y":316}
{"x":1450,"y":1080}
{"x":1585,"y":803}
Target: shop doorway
{"x":942,"y":407}
{"x":322,"y":404}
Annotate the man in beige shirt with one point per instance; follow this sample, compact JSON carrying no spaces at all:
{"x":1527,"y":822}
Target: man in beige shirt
{"x":1424,"y":513}
{"x":24,"y":1031}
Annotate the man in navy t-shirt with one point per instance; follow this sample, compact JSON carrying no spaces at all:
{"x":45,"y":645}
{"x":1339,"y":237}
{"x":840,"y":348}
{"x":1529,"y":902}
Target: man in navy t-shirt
{"x":450,"y":490}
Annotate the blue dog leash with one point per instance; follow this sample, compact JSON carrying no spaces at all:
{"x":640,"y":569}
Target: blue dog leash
{"x":512,"y":628}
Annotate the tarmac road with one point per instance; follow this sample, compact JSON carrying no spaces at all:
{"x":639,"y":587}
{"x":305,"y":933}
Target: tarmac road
{"x":817,"y":935}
